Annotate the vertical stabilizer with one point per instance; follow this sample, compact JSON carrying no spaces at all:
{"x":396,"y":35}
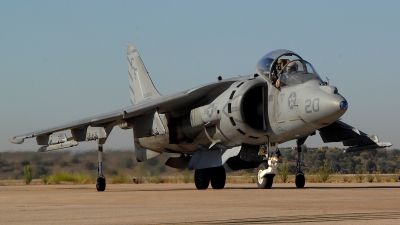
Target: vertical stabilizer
{"x":141,"y":87}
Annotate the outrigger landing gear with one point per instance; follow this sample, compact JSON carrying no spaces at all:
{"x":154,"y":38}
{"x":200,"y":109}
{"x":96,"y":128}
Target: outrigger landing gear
{"x":300,"y":180}
{"x":101,"y":179}
{"x":266,"y":171}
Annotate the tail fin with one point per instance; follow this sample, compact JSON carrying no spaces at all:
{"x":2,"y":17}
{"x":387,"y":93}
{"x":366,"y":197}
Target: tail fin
{"x":141,"y":86}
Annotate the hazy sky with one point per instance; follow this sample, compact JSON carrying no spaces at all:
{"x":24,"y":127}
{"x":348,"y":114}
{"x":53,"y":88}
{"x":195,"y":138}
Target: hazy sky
{"x":66,"y":60}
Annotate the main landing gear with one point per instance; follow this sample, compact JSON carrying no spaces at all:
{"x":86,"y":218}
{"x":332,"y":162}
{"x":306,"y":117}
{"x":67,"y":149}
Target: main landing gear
{"x":216,"y":175}
{"x":101,"y":179}
{"x":300,"y":180}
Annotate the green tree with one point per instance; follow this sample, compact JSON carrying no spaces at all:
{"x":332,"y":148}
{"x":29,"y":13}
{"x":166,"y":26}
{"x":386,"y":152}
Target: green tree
{"x":370,"y":166}
{"x":351,"y":165}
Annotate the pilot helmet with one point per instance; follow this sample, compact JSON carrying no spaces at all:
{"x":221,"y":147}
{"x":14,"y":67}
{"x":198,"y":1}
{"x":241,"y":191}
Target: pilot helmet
{"x":291,"y":67}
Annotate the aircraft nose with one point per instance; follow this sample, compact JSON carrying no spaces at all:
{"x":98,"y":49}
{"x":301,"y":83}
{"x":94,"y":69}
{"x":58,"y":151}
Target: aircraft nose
{"x":334,"y":105}
{"x":324,"y":107}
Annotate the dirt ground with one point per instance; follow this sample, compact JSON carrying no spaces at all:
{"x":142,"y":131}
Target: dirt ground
{"x":335,"y":203}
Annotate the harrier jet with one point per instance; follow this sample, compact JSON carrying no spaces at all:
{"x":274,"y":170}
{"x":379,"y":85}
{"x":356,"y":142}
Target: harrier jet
{"x":230,"y":124}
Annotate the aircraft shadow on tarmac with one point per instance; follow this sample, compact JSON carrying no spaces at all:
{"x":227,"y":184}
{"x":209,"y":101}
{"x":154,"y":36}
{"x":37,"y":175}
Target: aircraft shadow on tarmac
{"x":127,"y":189}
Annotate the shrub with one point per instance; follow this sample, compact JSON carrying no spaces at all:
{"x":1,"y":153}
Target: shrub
{"x":324,"y":172}
{"x":36,"y":158}
{"x":126,"y":162}
{"x":57,"y":177}
{"x":25,"y":162}
{"x":378,"y":176}
{"x":64,"y":164}
{"x":75,"y":160}
{"x":186,"y":176}
{"x":90,"y":166}
{"x":120,"y":178}
{"x":284,"y":172}
{"x":40,"y":170}
{"x":47,"y":163}
{"x":28,"y":174}
{"x":370,"y":178}
{"x":139,"y":173}
{"x":359,"y":175}
{"x":156,"y":179}
{"x":44,"y":178}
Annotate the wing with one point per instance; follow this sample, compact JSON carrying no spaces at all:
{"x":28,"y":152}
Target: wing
{"x":108,"y":120}
{"x":350,"y":136}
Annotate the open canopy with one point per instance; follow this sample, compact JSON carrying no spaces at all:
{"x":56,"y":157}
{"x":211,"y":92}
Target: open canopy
{"x":287,"y":67}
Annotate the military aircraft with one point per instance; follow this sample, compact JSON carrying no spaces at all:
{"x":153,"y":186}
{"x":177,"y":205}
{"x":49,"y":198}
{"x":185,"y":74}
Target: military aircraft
{"x":230,"y":124}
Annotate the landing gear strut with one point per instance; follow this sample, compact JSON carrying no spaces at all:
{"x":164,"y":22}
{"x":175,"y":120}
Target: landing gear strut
{"x":101,"y":179}
{"x":216,"y":175}
{"x":300,"y":180}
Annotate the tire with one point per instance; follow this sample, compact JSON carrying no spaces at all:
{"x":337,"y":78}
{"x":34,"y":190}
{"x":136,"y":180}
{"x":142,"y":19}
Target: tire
{"x":218,"y":177}
{"x":202,"y":179}
{"x":266,"y":181}
{"x":300,"y":180}
{"x":101,"y":184}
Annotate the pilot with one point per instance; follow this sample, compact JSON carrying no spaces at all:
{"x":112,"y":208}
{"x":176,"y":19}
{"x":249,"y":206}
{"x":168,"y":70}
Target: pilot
{"x":289,"y":69}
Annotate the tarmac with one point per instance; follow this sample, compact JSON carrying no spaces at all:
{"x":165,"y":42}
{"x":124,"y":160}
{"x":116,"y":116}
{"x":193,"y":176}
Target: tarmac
{"x":333,"y":203}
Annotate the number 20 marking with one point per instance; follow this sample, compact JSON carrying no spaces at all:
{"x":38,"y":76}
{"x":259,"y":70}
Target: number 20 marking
{"x":312,"y":106}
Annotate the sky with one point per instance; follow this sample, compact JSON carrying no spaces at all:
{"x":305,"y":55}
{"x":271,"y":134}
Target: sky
{"x":66,"y":60}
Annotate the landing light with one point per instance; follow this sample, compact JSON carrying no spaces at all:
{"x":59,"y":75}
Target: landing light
{"x":343,"y":105}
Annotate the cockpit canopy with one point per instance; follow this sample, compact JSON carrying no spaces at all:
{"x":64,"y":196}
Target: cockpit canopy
{"x":286,"y":68}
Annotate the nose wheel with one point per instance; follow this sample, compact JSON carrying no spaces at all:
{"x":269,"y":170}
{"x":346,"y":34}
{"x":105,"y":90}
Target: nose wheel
{"x":264,"y":181}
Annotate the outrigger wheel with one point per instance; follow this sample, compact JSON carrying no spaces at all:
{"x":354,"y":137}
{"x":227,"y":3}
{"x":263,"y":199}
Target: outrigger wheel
{"x":300,"y":180}
{"x":264,"y":182}
{"x":101,"y":183}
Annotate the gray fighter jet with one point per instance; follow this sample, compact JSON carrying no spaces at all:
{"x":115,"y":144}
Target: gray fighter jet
{"x":230,"y":124}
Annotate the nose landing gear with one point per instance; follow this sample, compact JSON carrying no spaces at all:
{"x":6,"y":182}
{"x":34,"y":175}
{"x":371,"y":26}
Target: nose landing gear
{"x":266,"y":171}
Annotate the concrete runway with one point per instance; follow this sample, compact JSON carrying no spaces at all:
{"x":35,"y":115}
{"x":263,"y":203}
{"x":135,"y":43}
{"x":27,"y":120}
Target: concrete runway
{"x":376,"y":203}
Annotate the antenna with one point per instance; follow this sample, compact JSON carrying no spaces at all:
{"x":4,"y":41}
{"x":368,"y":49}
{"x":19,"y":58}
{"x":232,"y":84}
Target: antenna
{"x":327,"y":80}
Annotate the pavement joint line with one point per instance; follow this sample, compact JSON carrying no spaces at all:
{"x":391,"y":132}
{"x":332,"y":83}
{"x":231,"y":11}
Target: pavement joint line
{"x":303,"y":218}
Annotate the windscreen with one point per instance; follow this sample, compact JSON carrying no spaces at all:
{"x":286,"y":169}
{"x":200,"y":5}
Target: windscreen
{"x":298,"y":72}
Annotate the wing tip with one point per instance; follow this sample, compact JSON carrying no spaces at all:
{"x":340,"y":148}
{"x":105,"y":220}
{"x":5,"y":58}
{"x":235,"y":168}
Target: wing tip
{"x":16,"y":140}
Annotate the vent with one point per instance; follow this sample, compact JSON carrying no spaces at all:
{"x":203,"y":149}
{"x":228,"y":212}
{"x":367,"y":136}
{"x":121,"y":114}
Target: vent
{"x":229,"y":108}
{"x":232,"y":121}
{"x":233,"y":92}
{"x":240,"y":131}
{"x":240,"y":84}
